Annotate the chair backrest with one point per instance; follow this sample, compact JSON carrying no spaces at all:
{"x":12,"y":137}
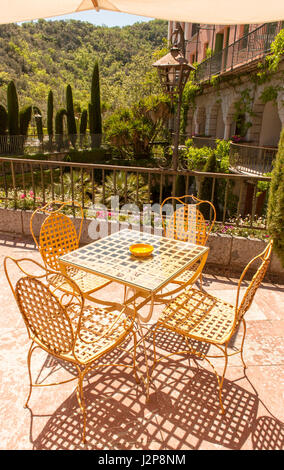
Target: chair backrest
{"x":243,"y":306}
{"x":45,"y":315}
{"x":58,"y":234}
{"x":187,"y":222}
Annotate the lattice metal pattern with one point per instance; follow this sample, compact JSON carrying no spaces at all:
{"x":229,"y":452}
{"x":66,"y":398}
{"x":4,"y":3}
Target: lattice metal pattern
{"x":255,"y":282}
{"x":110,"y":257}
{"x":44,"y":315}
{"x":99,"y":331}
{"x":57,"y":236}
{"x":65,"y":328}
{"x":187,"y":224}
{"x":199,"y":315}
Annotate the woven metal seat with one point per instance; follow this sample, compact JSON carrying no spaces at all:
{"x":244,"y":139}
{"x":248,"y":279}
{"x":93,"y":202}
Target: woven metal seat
{"x":188,"y":224}
{"x":196,"y":315}
{"x":62,"y":325}
{"x":58,"y":236}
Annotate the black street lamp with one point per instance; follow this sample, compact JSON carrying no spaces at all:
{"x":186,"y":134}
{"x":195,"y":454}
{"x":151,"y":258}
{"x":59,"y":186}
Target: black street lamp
{"x":174,"y":70}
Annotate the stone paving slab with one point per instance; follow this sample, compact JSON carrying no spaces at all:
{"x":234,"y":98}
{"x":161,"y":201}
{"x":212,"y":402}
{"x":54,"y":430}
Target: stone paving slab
{"x":183,"y":409}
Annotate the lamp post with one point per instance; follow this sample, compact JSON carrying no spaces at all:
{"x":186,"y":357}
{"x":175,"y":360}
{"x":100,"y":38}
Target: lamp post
{"x":174,"y":70}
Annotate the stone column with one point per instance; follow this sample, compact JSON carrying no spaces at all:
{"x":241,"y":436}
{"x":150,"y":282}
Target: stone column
{"x":280,"y":103}
{"x":227,"y":131}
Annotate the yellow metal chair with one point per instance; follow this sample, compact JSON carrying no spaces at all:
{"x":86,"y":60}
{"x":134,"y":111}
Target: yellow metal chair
{"x":58,"y":236}
{"x":188,"y":226}
{"x":66,"y":328}
{"x":196,"y":315}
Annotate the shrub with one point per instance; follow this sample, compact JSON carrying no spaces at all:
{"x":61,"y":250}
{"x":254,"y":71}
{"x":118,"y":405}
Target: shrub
{"x":13,"y":109}
{"x":71,"y":122}
{"x":25,"y":119}
{"x":275,"y":214}
{"x":50,"y":114}
{"x":3,"y":120}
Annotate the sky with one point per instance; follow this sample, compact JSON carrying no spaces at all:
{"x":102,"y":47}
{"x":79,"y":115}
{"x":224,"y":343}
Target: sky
{"x":106,"y":18}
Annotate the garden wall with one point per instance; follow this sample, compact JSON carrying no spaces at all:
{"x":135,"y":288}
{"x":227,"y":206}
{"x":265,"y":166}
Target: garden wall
{"x":228,"y":254}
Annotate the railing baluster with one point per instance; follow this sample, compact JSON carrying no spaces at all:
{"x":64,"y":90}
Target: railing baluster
{"x":104,"y":189}
{"x":212,"y":197}
{"x":42,"y":184}
{"x":125,"y":187}
{"x":226,"y":200}
{"x":161,"y":189}
{"x":254,"y":200}
{"x":33,"y":184}
{"x":93,"y":187}
{"x":82,"y":188}
{"x":137,"y":188}
{"x":240,"y":201}
{"x":14,"y":184}
{"x":114,"y":182}
{"x":72,"y":188}
{"x":62,"y":184}
{"x":5,"y":180}
{"x":149,"y":188}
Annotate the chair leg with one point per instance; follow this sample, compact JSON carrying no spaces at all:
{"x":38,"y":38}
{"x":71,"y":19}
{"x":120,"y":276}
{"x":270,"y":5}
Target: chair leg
{"x":81,"y":401}
{"x":134,"y":358}
{"x":222,"y":381}
{"x":32,"y":348}
{"x":242,"y":345}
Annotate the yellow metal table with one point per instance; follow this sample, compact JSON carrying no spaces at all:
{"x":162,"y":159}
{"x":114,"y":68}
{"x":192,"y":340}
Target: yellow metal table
{"x":147,"y":277}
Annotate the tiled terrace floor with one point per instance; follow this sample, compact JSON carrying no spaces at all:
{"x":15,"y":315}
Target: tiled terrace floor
{"x":183,"y":409}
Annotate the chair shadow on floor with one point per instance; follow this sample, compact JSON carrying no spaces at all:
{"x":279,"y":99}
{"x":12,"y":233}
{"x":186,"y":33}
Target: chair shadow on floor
{"x":183,"y":410}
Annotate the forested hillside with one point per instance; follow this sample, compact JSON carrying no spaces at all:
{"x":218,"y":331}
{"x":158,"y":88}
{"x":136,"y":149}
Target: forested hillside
{"x":45,"y":55}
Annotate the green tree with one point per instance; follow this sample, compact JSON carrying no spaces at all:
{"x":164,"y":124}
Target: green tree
{"x":83,"y":125}
{"x":59,"y":127}
{"x":50,"y":115}
{"x":275,"y":213}
{"x":25,"y":117}
{"x":3,"y":120}
{"x":13,"y":109}
{"x":95,"y":117}
{"x":71,"y":122}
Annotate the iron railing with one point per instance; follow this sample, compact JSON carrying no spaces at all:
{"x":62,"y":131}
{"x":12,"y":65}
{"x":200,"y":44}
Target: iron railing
{"x":252,"y":159}
{"x":252,"y":46}
{"x":32,"y":144}
{"x":26,"y":184}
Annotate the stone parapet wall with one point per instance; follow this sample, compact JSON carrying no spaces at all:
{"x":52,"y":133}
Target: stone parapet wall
{"x":228,"y":254}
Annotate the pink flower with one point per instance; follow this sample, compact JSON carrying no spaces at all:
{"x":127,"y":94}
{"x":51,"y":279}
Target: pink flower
{"x":22,"y":196}
{"x":31,"y":193}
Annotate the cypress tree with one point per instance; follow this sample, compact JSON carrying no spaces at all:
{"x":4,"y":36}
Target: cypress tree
{"x":3,"y":120}
{"x":95,"y":117}
{"x":83,"y":125}
{"x":25,"y":116}
{"x":50,"y":114}
{"x":83,"y":122}
{"x":13,"y":109}
{"x":71,"y":122}
{"x":59,"y":127}
{"x":275,"y":213}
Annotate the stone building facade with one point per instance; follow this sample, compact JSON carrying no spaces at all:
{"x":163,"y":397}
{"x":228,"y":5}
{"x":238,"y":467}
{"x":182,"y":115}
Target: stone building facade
{"x":228,"y":58}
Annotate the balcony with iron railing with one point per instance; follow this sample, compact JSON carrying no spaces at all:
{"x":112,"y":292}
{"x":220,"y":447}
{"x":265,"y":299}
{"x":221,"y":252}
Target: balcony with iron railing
{"x":252,"y":46}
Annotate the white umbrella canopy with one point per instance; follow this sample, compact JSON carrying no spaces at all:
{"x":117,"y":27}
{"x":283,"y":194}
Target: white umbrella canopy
{"x":193,"y":11}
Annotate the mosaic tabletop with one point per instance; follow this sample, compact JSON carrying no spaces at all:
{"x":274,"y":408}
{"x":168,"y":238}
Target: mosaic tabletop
{"x":111,"y":258}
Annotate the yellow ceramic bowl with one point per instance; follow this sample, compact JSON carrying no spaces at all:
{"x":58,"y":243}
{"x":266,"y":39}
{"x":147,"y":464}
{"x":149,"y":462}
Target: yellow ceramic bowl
{"x":141,"y":249}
